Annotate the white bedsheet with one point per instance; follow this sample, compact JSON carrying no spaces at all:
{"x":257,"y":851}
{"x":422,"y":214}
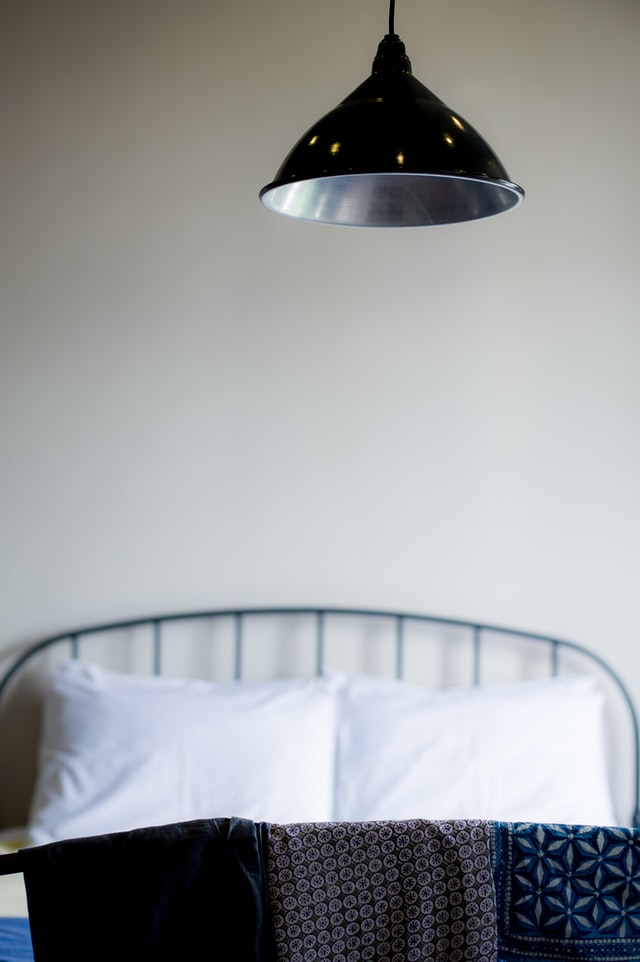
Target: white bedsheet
{"x":13,"y":898}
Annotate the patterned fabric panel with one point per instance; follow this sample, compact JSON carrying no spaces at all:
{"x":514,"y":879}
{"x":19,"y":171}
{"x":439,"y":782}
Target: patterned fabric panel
{"x":567,"y":892}
{"x":412,"y":891}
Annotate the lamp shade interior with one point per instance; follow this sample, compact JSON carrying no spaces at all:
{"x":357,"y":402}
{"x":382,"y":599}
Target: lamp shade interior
{"x":391,"y":199}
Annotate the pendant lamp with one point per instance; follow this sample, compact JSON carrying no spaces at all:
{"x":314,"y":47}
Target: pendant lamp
{"x":391,"y":154}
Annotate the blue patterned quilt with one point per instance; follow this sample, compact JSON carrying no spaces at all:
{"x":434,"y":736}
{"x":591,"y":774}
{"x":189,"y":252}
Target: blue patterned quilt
{"x":567,"y":892}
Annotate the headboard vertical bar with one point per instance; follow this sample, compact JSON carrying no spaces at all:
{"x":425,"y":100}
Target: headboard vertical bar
{"x":319,"y":642}
{"x":555,"y":647}
{"x":477,"y":651}
{"x":157,"y":647}
{"x":237,"y":646}
{"x":400,"y":647}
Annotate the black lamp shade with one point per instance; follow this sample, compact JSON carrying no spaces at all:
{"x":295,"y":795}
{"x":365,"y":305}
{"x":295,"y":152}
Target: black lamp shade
{"x":391,"y":154}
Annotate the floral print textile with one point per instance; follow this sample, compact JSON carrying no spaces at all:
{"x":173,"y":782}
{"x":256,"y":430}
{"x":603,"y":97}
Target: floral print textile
{"x":402,"y":891}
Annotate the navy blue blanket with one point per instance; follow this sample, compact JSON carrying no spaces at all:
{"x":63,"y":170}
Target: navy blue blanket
{"x":567,"y":893}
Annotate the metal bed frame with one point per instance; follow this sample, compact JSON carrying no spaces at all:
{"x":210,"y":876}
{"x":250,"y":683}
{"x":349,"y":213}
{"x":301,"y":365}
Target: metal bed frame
{"x":477,"y":632}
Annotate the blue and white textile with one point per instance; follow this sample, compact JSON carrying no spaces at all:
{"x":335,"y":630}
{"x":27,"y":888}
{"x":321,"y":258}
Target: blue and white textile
{"x":567,"y":893}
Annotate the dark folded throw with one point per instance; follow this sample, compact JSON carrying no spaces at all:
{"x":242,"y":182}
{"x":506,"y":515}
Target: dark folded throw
{"x":184,"y":891}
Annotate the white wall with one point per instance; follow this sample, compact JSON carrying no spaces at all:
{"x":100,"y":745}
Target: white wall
{"x":202,"y":403}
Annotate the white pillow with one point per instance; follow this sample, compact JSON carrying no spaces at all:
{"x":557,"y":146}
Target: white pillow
{"x":528,"y":751}
{"x":123,"y":751}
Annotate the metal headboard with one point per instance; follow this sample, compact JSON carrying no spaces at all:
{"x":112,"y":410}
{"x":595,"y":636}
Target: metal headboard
{"x":477,"y":631}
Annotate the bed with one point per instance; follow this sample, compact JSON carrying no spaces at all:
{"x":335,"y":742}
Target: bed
{"x":312,"y":719}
